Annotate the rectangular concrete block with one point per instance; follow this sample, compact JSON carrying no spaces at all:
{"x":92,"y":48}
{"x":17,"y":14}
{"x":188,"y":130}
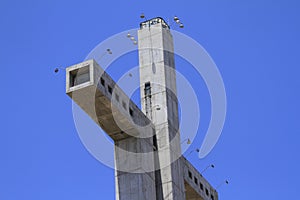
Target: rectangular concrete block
{"x":105,"y":102}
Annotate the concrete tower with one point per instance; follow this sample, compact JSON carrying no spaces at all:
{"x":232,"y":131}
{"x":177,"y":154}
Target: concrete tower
{"x":148,"y":161}
{"x":160,"y":105}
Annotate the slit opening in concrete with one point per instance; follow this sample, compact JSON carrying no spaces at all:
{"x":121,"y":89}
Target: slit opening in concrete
{"x":109,"y":89}
{"x":130,"y":112}
{"x":201,"y":186}
{"x":102,"y":82}
{"x":154,"y":143}
{"x":190,"y":175}
{"x":206,"y":192}
{"x":79,"y":76}
{"x":196,"y":180}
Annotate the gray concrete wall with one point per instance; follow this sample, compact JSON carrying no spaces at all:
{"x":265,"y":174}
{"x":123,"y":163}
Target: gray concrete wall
{"x":134,"y":181}
{"x":99,"y":96}
{"x":157,"y":68}
{"x":111,"y":109}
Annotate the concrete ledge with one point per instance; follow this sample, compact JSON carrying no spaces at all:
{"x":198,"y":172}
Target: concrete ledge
{"x":98,"y":95}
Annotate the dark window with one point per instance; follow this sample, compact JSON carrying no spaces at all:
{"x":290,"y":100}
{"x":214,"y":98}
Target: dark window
{"x":109,"y":89}
{"x":201,"y":186}
{"x":147,"y":92}
{"x":154,"y":143}
{"x":130,"y":112}
{"x":147,"y":89}
{"x":212,"y":197}
{"x":206,"y":192}
{"x":190,"y":175}
{"x":79,"y":76}
{"x":196,"y":180}
{"x":102,"y":81}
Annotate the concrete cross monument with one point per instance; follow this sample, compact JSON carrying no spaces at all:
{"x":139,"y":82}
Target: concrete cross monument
{"x":148,"y":160}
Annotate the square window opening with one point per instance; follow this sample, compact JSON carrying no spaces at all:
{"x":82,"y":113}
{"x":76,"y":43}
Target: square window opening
{"x":79,"y":76}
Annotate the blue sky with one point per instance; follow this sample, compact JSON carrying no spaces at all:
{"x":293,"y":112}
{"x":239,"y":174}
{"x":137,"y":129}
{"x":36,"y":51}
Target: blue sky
{"x":254,"y":44}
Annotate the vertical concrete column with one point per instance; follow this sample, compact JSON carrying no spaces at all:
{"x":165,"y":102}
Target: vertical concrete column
{"x":134,"y":174}
{"x":157,"y":71}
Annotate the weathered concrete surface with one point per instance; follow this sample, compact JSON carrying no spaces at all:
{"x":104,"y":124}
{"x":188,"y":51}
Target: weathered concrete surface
{"x":98,"y":95}
{"x":158,"y":90}
{"x":142,"y":173}
{"x":106,"y":103}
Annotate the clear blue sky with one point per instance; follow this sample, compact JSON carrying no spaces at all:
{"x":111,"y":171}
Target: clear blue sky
{"x":254,"y":43}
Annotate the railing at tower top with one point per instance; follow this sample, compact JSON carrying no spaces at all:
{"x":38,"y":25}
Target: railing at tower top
{"x":154,"y":21}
